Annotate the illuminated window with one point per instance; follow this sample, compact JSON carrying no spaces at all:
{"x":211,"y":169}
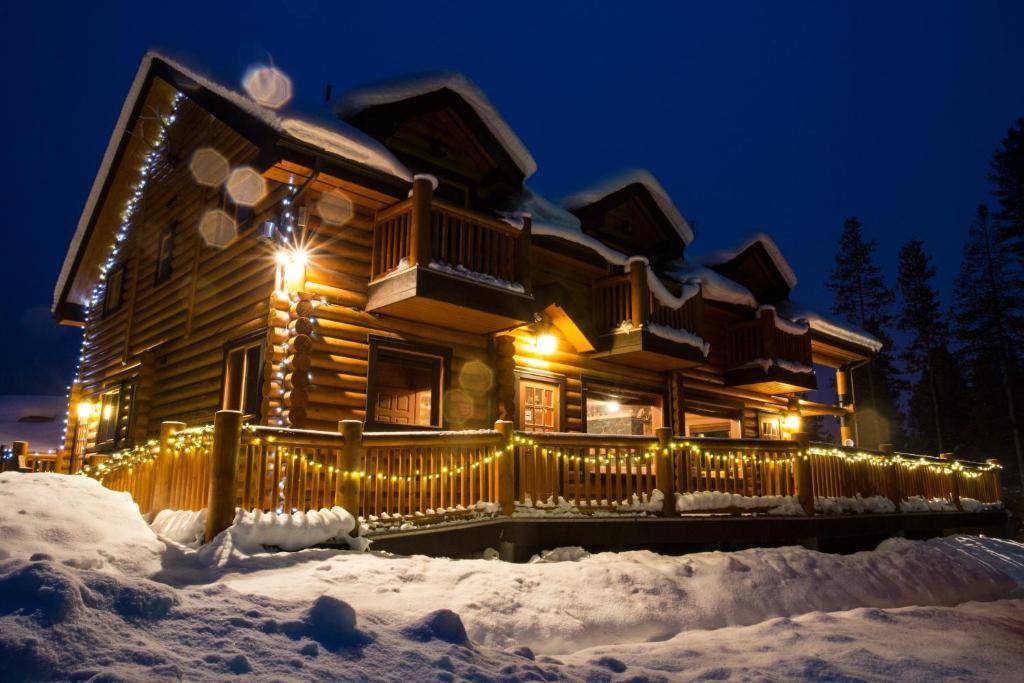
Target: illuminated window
{"x":165,"y":254}
{"x":113,"y":295}
{"x":615,"y":410}
{"x":406,"y":384}
{"x":715,"y":426}
{"x":243,"y":378}
{"x":109,"y":418}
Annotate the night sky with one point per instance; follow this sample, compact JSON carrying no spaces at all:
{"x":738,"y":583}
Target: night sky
{"x":781,"y":117}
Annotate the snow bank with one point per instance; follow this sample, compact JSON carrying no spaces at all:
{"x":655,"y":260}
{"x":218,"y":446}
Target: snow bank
{"x":251,"y":531}
{"x":181,"y":526}
{"x":720,"y":500}
{"x":641,"y":596}
{"x":921,"y":504}
{"x":857,"y":504}
{"x":972,"y":505}
{"x":75,"y":521}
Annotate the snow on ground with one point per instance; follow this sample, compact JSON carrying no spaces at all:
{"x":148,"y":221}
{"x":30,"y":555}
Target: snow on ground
{"x":154,"y":609}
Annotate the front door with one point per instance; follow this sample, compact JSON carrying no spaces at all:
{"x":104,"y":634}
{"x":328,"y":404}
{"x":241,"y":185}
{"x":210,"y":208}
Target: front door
{"x":539,"y":406}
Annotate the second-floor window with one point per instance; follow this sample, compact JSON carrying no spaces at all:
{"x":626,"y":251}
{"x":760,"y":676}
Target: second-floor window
{"x":110,"y":414}
{"x":113,"y":295}
{"x":165,"y":254}
{"x":243,"y":379}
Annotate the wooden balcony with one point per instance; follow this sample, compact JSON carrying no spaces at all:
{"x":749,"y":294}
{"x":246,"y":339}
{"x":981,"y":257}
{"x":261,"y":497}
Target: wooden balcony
{"x":762,"y":354}
{"x":659,"y":337}
{"x":446,"y":265}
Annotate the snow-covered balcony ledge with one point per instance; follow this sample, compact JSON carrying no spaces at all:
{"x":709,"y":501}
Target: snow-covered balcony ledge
{"x":647,"y":325}
{"x":437,"y":262}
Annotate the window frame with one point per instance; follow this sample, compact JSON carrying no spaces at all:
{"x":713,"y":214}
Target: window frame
{"x":123,"y":411}
{"x":590,"y":384}
{"x":255,"y":340}
{"x":160,"y":275}
{"x":399,"y":347}
{"x":107,"y":308}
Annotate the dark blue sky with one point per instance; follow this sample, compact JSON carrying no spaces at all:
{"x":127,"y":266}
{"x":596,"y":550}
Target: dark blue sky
{"x":782,"y":117}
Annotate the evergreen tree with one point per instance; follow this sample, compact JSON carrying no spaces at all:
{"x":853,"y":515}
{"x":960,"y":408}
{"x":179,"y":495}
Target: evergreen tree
{"x":936,"y":416}
{"x":1006,"y":172}
{"x":987,"y":323}
{"x":861,"y":295}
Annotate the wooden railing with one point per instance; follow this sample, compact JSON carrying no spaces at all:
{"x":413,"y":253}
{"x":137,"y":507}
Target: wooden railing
{"x":761,"y":338}
{"x":628,"y":298}
{"x":424,"y":476}
{"x":422,"y":229}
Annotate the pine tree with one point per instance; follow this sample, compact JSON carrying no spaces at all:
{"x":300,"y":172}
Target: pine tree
{"x":861,"y":295}
{"x":1006,"y":172}
{"x":936,"y":415}
{"x":988,"y":316}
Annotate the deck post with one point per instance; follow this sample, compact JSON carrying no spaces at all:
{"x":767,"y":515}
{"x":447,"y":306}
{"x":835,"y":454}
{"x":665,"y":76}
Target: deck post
{"x":802,"y":472}
{"x":666,"y":476}
{"x":954,"y":482}
{"x":19,"y":451}
{"x":419,"y":221}
{"x":164,"y":469}
{"x":997,"y":490}
{"x":227,"y":440}
{"x":505,"y":468}
{"x":640,"y":298}
{"x":524,"y":272}
{"x":352,"y":454}
{"x":893,"y":475}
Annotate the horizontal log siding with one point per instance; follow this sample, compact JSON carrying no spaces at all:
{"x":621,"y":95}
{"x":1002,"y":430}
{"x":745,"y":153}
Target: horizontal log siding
{"x":328,"y":330}
{"x":212,"y":296}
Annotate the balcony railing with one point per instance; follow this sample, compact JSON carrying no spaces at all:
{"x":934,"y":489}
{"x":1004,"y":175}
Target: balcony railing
{"x":628,"y":298}
{"x":422,"y":230}
{"x":765,"y":339}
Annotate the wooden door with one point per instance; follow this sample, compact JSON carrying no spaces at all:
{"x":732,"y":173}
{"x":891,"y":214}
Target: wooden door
{"x":539,"y":406}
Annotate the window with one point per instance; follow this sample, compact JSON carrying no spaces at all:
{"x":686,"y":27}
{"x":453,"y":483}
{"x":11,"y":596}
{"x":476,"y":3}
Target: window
{"x":114,"y":293}
{"x":712,"y":426}
{"x":165,"y":254}
{"x":406,"y":385}
{"x":110,"y":417}
{"x":540,"y":401}
{"x":616,"y":410}
{"x":243,"y":381}
{"x":770,"y":426}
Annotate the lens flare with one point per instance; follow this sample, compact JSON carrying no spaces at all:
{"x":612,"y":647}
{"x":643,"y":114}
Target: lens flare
{"x":246,"y":186}
{"x":209,"y":167}
{"x":217,"y":228}
{"x":335,"y":208}
{"x":268,"y":86}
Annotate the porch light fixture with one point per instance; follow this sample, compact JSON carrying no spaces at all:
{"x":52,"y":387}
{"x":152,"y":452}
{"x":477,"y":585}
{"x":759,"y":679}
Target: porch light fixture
{"x":291,"y":269}
{"x":84,"y":410}
{"x":545,"y":344}
{"x":792,"y":421}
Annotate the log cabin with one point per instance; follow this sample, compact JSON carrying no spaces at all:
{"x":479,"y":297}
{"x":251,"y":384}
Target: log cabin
{"x":388,"y":263}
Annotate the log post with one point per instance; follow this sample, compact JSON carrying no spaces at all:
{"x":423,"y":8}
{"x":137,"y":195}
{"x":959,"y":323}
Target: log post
{"x":768,"y":334}
{"x":524,"y":266}
{"x":666,"y":477}
{"x":419,"y":222}
{"x":163,"y":472}
{"x":954,"y":481}
{"x":892,"y":475}
{"x":640,"y":297}
{"x":352,"y":455}
{"x":227,"y":440}
{"x":19,"y":451}
{"x":506,"y":468}
{"x":997,"y":490}
{"x":802,"y":472}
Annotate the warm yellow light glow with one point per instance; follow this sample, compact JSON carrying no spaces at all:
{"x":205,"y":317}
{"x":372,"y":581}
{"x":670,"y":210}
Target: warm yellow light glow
{"x":292,"y":269}
{"x":545,"y":344}
{"x":84,"y":410}
{"x":613,"y":406}
{"x":792,"y":423}
{"x":108,"y":411}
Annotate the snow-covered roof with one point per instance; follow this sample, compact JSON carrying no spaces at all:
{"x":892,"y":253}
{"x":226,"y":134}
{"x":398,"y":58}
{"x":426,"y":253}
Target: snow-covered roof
{"x":623,"y":179}
{"x":725,"y":255}
{"x":552,"y":220}
{"x":332,"y":136}
{"x":396,"y":90}
{"x":714,"y":286}
{"x":36,"y":419}
{"x":831,"y":326}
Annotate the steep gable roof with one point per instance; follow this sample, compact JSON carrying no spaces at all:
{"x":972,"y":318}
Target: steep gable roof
{"x":347,"y":147}
{"x":624,"y":179}
{"x":390,"y":92}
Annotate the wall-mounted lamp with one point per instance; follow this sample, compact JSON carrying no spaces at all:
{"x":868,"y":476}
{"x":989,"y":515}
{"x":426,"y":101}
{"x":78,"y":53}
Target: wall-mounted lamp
{"x":291,"y":269}
{"x":792,"y":422}
{"x":84,"y":410}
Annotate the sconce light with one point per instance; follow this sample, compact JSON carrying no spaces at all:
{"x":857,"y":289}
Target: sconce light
{"x":792,"y":421}
{"x":84,"y":410}
{"x":291,"y":269}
